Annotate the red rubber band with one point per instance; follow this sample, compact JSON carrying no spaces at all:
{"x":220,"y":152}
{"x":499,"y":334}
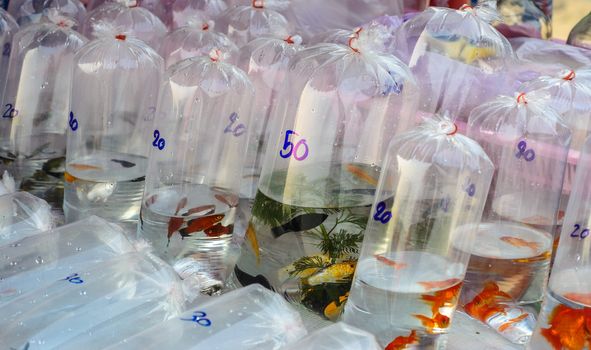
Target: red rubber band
{"x":570,"y":75}
{"x":120,"y":37}
{"x":205,"y":26}
{"x":466,"y":7}
{"x":521,"y":98}
{"x":454,"y":131}
{"x":354,"y":38}
{"x":258,"y":4}
{"x":215,"y":55}
{"x":289,"y":40}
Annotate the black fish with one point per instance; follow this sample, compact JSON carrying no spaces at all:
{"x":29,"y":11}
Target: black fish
{"x":299,"y":223}
{"x":246,"y":279}
{"x":139,"y":179}
{"x":124,"y":163}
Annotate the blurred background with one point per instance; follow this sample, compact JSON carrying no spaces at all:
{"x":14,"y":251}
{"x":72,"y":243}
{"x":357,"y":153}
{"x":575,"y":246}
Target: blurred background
{"x":566,"y":14}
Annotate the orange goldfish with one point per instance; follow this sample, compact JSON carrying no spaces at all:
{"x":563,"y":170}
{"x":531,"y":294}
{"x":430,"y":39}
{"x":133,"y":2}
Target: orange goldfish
{"x":83,"y":167}
{"x":333,"y":310}
{"x":218,"y":230}
{"x":69,"y":177}
{"x":486,"y":304}
{"x":583,"y":298}
{"x":200,"y":224}
{"x":400,"y":343}
{"x":569,"y":328}
{"x":439,"y":284}
{"x":251,"y":236}
{"x":391,"y":263}
{"x":446,"y":297}
{"x":512,"y":321}
{"x":520,"y":242}
{"x":362,"y":174}
{"x":438,"y":321}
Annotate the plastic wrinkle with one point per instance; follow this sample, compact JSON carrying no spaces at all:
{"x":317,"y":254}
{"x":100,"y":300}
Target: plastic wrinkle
{"x":7,"y":184}
{"x":59,"y":19}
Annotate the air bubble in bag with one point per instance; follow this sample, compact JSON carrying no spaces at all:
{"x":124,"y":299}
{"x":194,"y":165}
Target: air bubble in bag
{"x":36,"y":260}
{"x":133,"y":290}
{"x":8,"y":27}
{"x":458,"y":58}
{"x":247,"y":318}
{"x":22,"y":215}
{"x":31,"y":11}
{"x":337,"y":336}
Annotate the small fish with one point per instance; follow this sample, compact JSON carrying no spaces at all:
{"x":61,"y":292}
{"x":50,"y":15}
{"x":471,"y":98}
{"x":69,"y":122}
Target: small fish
{"x":512,"y":321}
{"x":519,"y":242}
{"x":438,"y":321}
{"x":333,"y":310}
{"x":55,"y":166}
{"x":69,"y":177}
{"x":486,"y":303}
{"x":83,"y":167}
{"x":123,"y":163}
{"x":362,"y":174}
{"x":537,"y":220}
{"x":583,"y":298}
{"x":569,"y":328}
{"x":200,"y":224}
{"x":251,"y":236}
{"x":200,"y":211}
{"x":175,"y":223}
{"x":218,"y":230}
{"x":139,"y":179}
{"x":439,"y":284}
{"x":299,"y":223}
{"x":391,"y":263}
{"x":442,"y":298}
{"x":230,"y":200}
{"x":334,"y":273}
{"x":400,"y":343}
{"x":245,"y":279}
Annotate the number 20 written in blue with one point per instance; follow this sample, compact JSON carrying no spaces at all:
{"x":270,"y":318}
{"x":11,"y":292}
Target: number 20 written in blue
{"x":199,"y":317}
{"x":584,"y":234}
{"x":290,"y":149}
{"x":158,"y":142}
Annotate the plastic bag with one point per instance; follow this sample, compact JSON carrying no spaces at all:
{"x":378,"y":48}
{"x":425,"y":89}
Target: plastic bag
{"x":8,"y":27}
{"x":458,"y":58}
{"x":247,"y":318}
{"x":195,"y":40}
{"x":337,"y":336}
{"x":22,"y":215}
{"x":523,"y":18}
{"x":580,"y":35}
{"x":37,"y":260}
{"x":549,"y":53}
{"x":128,"y":290}
{"x":185,"y":11}
{"x":31,"y":11}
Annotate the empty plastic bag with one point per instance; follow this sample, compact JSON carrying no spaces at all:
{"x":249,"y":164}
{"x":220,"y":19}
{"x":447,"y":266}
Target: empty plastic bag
{"x":22,"y":215}
{"x":337,"y":336}
{"x":248,"y":318}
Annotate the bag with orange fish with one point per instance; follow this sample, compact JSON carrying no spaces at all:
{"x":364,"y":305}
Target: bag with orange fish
{"x":337,"y":109}
{"x":429,"y":202}
{"x":22,"y":215}
{"x":565,"y":318}
{"x":528,"y":143}
{"x":94,"y":306}
{"x":337,"y":336}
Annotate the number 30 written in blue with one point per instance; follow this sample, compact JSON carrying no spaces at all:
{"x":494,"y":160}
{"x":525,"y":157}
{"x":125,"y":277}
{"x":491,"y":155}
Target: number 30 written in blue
{"x":583,"y":233}
{"x":290,"y":148}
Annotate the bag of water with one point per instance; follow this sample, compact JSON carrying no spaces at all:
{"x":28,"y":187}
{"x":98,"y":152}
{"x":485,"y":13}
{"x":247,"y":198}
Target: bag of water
{"x":22,"y":215}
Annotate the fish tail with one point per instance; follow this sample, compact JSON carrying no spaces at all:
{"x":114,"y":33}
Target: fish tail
{"x":425,"y":321}
{"x":251,"y":236}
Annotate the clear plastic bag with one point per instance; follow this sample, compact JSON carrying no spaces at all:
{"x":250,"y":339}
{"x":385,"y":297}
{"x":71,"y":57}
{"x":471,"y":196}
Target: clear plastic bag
{"x":22,"y":215}
{"x":458,"y":58}
{"x":185,"y":11}
{"x":338,"y":109}
{"x":266,"y":61}
{"x":32,"y":11}
{"x":195,"y":40}
{"x":337,"y":336}
{"x":528,"y":142}
{"x":132,"y":290}
{"x":36,"y":104}
{"x":523,"y":18}
{"x":247,"y":318}
{"x":110,"y":129}
{"x":549,"y":53}
{"x":8,"y":27}
{"x":190,"y":201}
{"x":244,"y":23}
{"x":416,"y":248}
{"x":580,"y":35}
{"x":134,"y":21}
{"x":34,"y":261}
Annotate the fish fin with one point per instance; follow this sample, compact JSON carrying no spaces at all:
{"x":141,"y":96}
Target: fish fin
{"x":300,"y":223}
{"x":173,"y":225}
{"x":251,"y":236}
{"x":246,"y":279}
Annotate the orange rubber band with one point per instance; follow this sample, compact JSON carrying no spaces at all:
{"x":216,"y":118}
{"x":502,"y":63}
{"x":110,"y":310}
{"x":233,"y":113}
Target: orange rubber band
{"x":258,"y":4}
{"x":289,"y":40}
{"x":570,"y":75}
{"x":521,"y":98}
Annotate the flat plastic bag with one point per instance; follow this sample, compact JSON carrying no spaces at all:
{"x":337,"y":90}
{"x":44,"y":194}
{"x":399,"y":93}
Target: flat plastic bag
{"x":22,"y":215}
{"x":247,"y":318}
{"x":457,"y":57}
{"x":31,"y":11}
{"x":337,"y":336}
{"x":132,"y":291}
{"x":36,"y":260}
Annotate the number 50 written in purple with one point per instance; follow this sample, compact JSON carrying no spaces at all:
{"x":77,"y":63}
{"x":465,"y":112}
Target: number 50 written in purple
{"x":290,"y":149}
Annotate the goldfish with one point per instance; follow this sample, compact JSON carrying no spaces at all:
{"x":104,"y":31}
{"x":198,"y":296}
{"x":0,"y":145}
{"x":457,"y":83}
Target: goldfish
{"x":439,"y":284}
{"x":333,"y":273}
{"x":200,"y":224}
{"x":437,"y":321}
{"x":486,"y":304}
{"x":69,"y":177}
{"x":512,"y":321}
{"x":175,"y":223}
{"x":441,"y":298}
{"x":83,"y":167}
{"x":520,"y":242}
{"x":251,"y":236}
{"x":391,"y":263}
{"x":569,"y":328}
{"x":583,"y":298}
{"x":218,"y":230}
{"x":333,"y":310}
{"x":362,"y":174}
{"x":400,"y":343}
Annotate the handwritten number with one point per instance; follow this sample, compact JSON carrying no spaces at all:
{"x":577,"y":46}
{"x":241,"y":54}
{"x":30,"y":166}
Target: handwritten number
{"x":471,"y":190}
{"x":74,"y":278}
{"x":6,"y":49}
{"x":381,"y":214}
{"x":199,"y":317}
{"x":528,"y":154}
{"x":290,"y":149}
{"x":574,"y":233}
{"x":158,"y":142}
{"x":238,"y":130}
{"x":584,"y":234}
{"x":73,"y":122}
{"x":10,"y":112}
